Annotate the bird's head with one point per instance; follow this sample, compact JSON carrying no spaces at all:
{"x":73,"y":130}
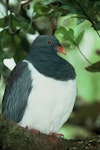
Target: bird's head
{"x":44,"y":57}
{"x":47,"y":44}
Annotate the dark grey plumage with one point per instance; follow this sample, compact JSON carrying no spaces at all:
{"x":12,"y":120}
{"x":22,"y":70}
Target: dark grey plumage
{"x":43,"y":56}
{"x":16,"y":93}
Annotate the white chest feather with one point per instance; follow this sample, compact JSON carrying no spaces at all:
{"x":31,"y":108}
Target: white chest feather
{"x":50,"y":103}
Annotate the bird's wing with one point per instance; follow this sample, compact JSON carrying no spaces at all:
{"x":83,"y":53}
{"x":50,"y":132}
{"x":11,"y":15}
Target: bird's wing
{"x":17,"y":91}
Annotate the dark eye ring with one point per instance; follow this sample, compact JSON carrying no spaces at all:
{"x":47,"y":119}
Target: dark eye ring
{"x":49,"y":42}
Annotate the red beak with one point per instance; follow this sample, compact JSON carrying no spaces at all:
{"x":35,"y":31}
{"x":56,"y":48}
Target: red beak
{"x":61,"y":50}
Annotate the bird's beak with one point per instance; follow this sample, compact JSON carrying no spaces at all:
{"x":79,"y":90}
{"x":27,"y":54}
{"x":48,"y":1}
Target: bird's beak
{"x":61,"y":50}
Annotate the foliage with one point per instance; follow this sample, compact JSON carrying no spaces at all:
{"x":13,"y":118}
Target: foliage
{"x":68,"y":20}
{"x":94,"y":68}
{"x":16,"y":23}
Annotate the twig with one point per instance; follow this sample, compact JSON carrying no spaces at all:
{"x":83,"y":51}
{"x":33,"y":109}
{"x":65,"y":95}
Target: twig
{"x":83,"y":54}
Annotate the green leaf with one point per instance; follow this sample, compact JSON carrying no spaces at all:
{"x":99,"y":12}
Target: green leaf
{"x":70,"y":33}
{"x":16,"y":45}
{"x":80,"y":20}
{"x":5,"y":72}
{"x":41,"y":9}
{"x":94,"y":67}
{"x":67,"y":34}
{"x":22,"y":23}
{"x":3,"y":22}
{"x":24,"y":43}
{"x":61,"y":30}
{"x":80,"y":37}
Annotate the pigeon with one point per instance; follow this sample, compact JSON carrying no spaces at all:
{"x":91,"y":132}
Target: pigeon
{"x":41,"y":90}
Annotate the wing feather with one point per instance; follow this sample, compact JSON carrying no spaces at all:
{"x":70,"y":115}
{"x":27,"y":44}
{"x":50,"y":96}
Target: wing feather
{"x":16,"y":93}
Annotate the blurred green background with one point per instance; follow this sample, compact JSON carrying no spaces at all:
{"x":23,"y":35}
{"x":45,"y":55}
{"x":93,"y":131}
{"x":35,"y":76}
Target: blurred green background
{"x":76,"y":24}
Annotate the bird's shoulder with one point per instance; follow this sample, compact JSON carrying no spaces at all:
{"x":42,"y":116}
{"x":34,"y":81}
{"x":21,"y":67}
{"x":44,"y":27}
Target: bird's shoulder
{"x":20,"y":71}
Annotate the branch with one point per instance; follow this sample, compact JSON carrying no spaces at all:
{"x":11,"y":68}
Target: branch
{"x":14,"y":137}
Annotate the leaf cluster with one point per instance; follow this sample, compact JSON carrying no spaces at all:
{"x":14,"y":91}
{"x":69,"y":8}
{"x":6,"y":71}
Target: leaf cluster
{"x":85,"y":10}
{"x":16,"y":23}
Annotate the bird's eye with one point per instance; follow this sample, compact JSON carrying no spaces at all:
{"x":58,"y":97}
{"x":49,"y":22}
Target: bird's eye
{"x":49,"y":42}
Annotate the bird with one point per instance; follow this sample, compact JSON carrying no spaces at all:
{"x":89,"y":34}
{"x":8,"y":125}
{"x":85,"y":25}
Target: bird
{"x":41,"y":90}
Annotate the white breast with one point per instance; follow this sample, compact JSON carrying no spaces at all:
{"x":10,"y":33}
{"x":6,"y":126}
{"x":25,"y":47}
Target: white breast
{"x":49,"y":104}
